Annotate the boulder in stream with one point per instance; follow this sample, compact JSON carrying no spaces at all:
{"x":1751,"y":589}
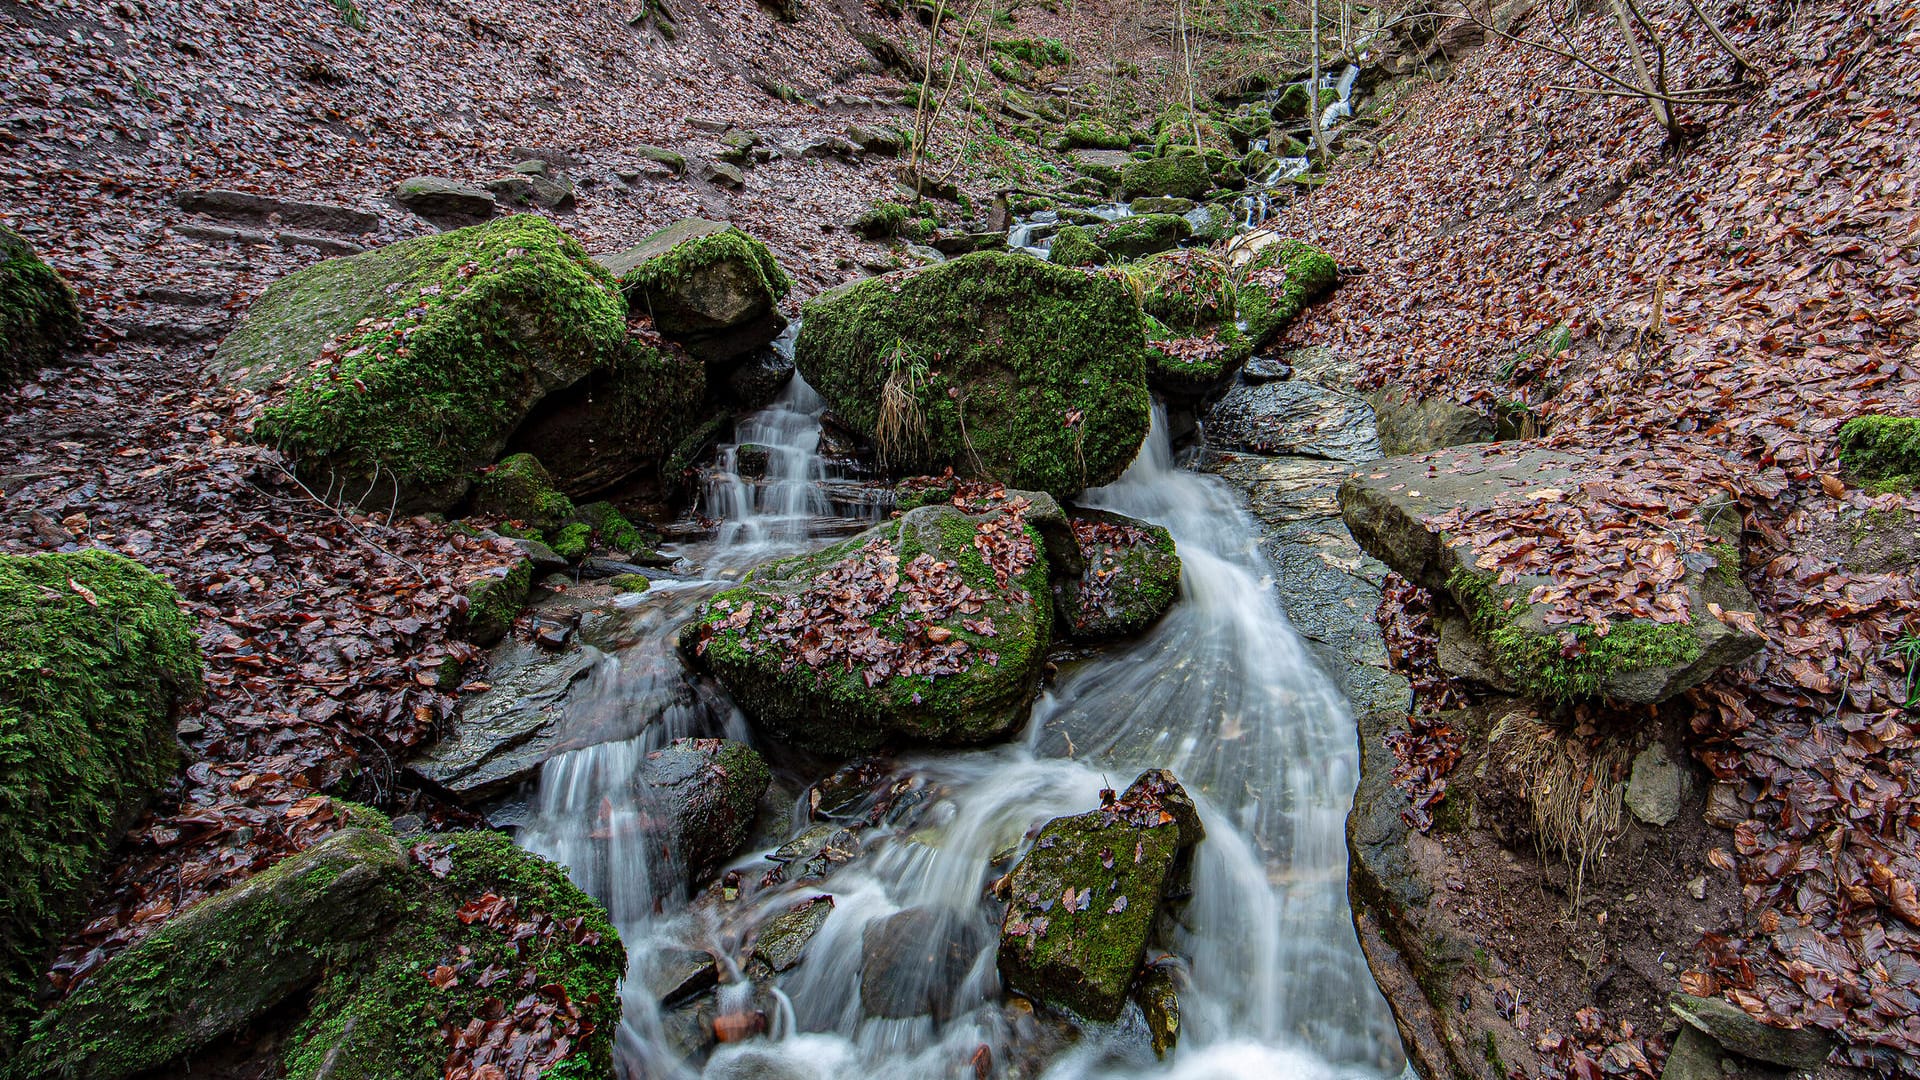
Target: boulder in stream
{"x":705,"y":792}
{"x":1505,"y":627}
{"x":96,"y":659}
{"x":1129,"y":576}
{"x":39,"y":315}
{"x":707,"y":285}
{"x":1142,"y":234}
{"x":996,"y":365}
{"x":1294,"y":418}
{"x":913,"y":961}
{"x":1181,"y":176}
{"x":1277,"y":278}
{"x":1083,"y":899}
{"x":1192,"y":339}
{"x":929,"y":628}
{"x":400,"y":372}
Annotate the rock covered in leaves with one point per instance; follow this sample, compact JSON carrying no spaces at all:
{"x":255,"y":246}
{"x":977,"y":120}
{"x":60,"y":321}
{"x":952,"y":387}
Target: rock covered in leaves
{"x":1277,"y":277}
{"x":38,"y":313}
{"x":704,"y":793}
{"x":1190,"y":302}
{"x":1636,"y":600}
{"x":930,"y":628}
{"x":1129,"y":577}
{"x":1082,"y":900}
{"x":400,"y":372}
{"x":996,"y":365}
{"x":705,"y":284}
{"x":95,"y":660}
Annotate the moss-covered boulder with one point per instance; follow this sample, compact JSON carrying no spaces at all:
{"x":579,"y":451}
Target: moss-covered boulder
{"x":1143,"y":234}
{"x":1882,"y":450}
{"x":1073,"y":246}
{"x":619,"y":426}
{"x":226,"y":960}
{"x":1182,"y":176}
{"x":38,"y":313}
{"x":1277,"y":280}
{"x":398,"y":373}
{"x":1129,"y":577}
{"x":490,"y":938}
{"x":95,"y":659}
{"x":705,"y":284}
{"x":1094,"y":135}
{"x":930,"y":628}
{"x":1082,"y":901}
{"x":995,"y":365}
{"x":1499,"y":625}
{"x":1193,"y":341}
{"x":704,"y":792}
{"x":519,"y":489}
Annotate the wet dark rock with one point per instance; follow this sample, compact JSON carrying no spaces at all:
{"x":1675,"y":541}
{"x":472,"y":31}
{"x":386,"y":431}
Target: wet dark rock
{"x":1159,"y":1000}
{"x":1129,"y":576}
{"x":495,"y":599}
{"x":1736,"y":1031}
{"x":443,"y":201}
{"x":41,"y":315}
{"x":1262,"y":369}
{"x":268,"y":210}
{"x":702,"y":794}
{"x":782,"y":940}
{"x":677,"y":975}
{"x":1294,"y":418}
{"x":1388,"y":505}
{"x":915,"y":960}
{"x":1083,"y":901}
{"x":760,"y":377}
{"x":1410,"y":425}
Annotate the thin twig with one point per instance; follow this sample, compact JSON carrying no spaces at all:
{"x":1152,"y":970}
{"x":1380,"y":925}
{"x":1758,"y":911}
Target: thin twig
{"x":358,"y":533}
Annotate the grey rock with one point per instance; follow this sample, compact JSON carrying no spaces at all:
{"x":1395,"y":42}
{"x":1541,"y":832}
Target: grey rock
{"x":705,"y":792}
{"x":782,"y":941}
{"x":675,"y":975}
{"x":1294,"y":418}
{"x":655,"y":155}
{"x":325,"y":245}
{"x":723,"y":175}
{"x":268,"y":210}
{"x":1734,"y":1030}
{"x":914,"y":961}
{"x":1656,"y":787}
{"x":708,"y":123}
{"x":544,"y":559}
{"x":722,"y":309}
{"x":885,"y":142}
{"x":1410,"y":425}
{"x":441,"y":200}
{"x":221,"y":234}
{"x":1694,"y":1057}
{"x":1262,"y":369}
{"x":550,"y":192}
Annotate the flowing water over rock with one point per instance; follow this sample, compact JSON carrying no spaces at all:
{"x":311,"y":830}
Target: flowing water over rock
{"x":1221,"y":691}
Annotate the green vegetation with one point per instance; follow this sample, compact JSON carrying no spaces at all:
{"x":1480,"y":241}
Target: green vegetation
{"x":95,"y":660}
{"x":916,"y":221}
{"x":1280,"y":281}
{"x":1882,"y":450}
{"x":1095,"y":135}
{"x":494,"y":601}
{"x":1142,"y":234}
{"x":1074,"y":246}
{"x":519,"y":489}
{"x":1038,"y":52}
{"x":670,"y":271}
{"x":1545,"y":667}
{"x":1184,"y":176}
{"x":39,"y":315}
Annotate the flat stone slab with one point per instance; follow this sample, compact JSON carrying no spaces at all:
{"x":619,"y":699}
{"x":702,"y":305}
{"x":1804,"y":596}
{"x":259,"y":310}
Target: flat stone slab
{"x":1294,"y":418}
{"x":266,"y":209}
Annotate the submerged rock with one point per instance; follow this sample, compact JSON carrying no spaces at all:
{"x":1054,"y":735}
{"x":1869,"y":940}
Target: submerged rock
{"x":39,"y":315}
{"x":991,"y":364}
{"x":95,"y":660}
{"x":1084,"y":897}
{"x":783,"y":939}
{"x":929,"y":628}
{"x":226,"y":960}
{"x":1393,"y":507}
{"x":702,"y":795}
{"x":404,"y":370}
{"x":1129,"y":577}
{"x":707,"y":285}
{"x":914,"y":961}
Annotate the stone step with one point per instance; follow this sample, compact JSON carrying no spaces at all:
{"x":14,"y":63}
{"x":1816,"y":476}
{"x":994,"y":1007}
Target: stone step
{"x":247,"y":207}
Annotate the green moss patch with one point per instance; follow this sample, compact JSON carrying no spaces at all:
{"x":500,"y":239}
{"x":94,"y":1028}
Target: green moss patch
{"x":1183,"y":176}
{"x":1143,"y":234}
{"x":1074,"y":246}
{"x":519,"y":489}
{"x":95,"y":659}
{"x":1278,"y":283}
{"x":39,"y":315}
{"x":404,"y":370}
{"x":1883,"y":450}
{"x":1130,"y":577}
{"x":1016,"y":370}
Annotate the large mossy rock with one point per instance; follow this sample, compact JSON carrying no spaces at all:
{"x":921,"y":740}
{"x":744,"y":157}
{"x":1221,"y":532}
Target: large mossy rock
{"x":1182,"y":176}
{"x":930,"y":628}
{"x":95,"y":659}
{"x":1129,"y":576}
{"x":706,"y":284}
{"x":1277,"y":278}
{"x":1190,"y":302}
{"x":39,"y":315}
{"x":1018,"y":370}
{"x":402,"y":371}
{"x":1142,"y":234}
{"x":226,"y":960}
{"x":1082,"y":900}
{"x":704,"y":793}
{"x":1501,"y":634}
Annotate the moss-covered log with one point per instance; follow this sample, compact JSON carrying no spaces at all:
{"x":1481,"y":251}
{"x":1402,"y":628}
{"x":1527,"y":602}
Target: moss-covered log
{"x":95,"y":658}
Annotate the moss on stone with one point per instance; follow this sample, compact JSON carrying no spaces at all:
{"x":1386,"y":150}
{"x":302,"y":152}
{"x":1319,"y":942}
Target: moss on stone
{"x":1095,"y":135}
{"x":1884,"y":450}
{"x":1074,"y":246}
{"x":519,"y":489}
{"x":1547,"y":668}
{"x":412,"y":364}
{"x":613,"y":531}
{"x":630,"y":583}
{"x":1190,"y":300}
{"x":383,"y":1020}
{"x":1144,"y":234}
{"x":1183,"y":176}
{"x":665,"y":273}
{"x":494,"y":601}
{"x":95,"y":659}
{"x":1025,"y":372}
{"x":39,"y":315}
{"x":1126,"y":584}
{"x":572,"y":541}
{"x":1278,"y":283}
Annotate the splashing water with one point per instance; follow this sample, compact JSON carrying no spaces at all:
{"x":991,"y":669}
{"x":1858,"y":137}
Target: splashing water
{"x":1221,"y":691}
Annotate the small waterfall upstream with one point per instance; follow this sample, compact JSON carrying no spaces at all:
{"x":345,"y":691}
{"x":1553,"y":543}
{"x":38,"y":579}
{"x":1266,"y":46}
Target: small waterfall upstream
{"x":1221,"y":691}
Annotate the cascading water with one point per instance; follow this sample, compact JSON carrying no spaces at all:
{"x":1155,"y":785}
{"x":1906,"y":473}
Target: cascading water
{"x":1221,"y":691}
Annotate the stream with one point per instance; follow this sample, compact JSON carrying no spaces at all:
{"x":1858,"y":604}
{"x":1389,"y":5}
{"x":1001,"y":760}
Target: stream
{"x":1222,"y":691}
